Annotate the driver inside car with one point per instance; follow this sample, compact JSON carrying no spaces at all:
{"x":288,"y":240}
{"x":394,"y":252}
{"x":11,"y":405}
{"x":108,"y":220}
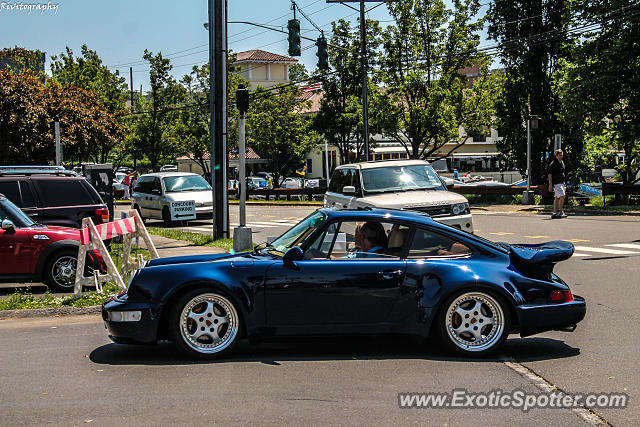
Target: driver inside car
{"x":370,"y":238}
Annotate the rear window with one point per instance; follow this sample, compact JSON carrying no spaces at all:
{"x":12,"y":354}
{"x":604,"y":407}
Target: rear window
{"x":63,"y":193}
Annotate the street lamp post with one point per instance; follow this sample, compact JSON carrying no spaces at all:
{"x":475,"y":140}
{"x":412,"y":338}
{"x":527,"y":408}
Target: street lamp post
{"x":527,"y":196}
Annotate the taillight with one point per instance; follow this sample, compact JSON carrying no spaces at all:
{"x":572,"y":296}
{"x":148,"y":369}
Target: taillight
{"x":561,"y":296}
{"x":103,"y":213}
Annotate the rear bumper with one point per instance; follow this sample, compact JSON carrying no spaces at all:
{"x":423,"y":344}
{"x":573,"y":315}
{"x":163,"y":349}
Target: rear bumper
{"x":143,"y":331}
{"x":540,"y":318}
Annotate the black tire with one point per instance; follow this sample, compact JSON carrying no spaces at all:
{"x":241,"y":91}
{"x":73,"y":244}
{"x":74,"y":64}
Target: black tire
{"x":166,"y":216}
{"x":60,"y":270}
{"x":136,"y":207}
{"x":204,"y":324}
{"x":463,"y":323}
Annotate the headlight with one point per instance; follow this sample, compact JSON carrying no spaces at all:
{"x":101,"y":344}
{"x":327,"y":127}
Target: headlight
{"x":460,"y":208}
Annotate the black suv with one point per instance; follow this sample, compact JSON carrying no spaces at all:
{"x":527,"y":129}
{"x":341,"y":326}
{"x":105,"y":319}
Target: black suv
{"x":52,"y":195}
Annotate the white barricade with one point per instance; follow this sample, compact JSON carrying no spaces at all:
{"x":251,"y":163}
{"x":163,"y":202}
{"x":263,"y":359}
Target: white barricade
{"x":92,"y":237}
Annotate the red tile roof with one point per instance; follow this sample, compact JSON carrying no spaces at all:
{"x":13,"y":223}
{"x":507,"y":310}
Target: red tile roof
{"x":258,"y":55}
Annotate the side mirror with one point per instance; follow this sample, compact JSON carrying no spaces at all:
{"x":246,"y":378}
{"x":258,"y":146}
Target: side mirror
{"x":7,"y":224}
{"x":294,"y":254}
{"x":349,"y":189}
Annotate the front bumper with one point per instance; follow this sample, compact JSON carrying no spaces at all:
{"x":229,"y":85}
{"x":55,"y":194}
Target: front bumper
{"x":540,"y":318}
{"x":143,"y":331}
{"x":463,"y":222}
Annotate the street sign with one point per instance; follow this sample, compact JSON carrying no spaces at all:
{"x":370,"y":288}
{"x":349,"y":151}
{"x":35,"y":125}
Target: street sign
{"x":183,"y":210}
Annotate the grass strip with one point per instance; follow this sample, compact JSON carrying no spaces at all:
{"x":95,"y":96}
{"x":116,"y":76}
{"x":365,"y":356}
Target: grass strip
{"x":196,"y":239}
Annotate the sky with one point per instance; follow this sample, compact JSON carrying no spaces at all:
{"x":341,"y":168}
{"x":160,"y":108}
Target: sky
{"x":120,"y":30}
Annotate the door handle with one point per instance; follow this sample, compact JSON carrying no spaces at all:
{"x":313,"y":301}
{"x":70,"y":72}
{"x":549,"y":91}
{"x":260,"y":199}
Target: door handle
{"x":391,"y":274}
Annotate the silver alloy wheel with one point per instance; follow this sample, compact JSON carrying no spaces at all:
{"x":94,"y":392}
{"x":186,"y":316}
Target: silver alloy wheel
{"x":63,"y":271}
{"x":209,"y":323}
{"x":475,"y":321}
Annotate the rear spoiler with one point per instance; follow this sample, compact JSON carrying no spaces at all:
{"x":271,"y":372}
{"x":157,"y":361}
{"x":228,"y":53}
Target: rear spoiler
{"x":538,"y":260}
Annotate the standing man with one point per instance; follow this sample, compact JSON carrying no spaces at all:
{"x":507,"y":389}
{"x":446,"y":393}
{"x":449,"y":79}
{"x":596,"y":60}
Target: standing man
{"x":126,"y":181}
{"x":557,"y":184}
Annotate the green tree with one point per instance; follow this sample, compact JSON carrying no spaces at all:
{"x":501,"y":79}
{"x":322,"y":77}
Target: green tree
{"x":277,"y":131}
{"x":426,"y":99}
{"x":298,"y":73}
{"x":340,"y":119}
{"x":533,"y":37}
{"x":599,"y":86}
{"x":28,"y":108}
{"x":153,"y":130}
{"x":19,"y":59}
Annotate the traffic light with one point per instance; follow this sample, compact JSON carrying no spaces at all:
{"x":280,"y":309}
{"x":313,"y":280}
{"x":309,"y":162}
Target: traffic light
{"x":242,"y":99}
{"x":323,"y":55}
{"x":294,"y":37}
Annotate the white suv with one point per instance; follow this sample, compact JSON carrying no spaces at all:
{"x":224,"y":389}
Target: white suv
{"x":398,"y":184}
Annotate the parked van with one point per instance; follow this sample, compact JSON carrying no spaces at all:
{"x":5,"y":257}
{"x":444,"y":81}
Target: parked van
{"x":398,"y":184}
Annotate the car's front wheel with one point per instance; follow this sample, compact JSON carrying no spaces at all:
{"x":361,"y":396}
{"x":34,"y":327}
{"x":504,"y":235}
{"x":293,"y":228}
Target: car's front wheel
{"x":474,"y":323}
{"x":60,"y":271}
{"x":204,"y":324}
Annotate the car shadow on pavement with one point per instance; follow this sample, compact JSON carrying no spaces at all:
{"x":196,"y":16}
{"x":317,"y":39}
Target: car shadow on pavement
{"x":326,"y":349}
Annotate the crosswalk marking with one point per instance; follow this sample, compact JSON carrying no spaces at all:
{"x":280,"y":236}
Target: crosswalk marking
{"x":625,"y":245}
{"x":605,"y":250}
{"x":580,"y":254}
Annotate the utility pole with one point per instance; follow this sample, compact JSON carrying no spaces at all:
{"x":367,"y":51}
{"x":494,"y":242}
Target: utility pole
{"x":217,"y":107}
{"x":527,"y":197}
{"x":132,"y":109}
{"x":363,"y":59}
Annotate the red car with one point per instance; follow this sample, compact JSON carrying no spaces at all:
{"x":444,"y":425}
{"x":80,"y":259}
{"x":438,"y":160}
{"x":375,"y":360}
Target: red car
{"x":32,"y":252}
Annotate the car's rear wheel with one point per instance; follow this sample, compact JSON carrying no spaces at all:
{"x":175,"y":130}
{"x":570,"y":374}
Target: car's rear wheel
{"x":204,"y":324}
{"x":474,"y":323}
{"x":60,"y":271}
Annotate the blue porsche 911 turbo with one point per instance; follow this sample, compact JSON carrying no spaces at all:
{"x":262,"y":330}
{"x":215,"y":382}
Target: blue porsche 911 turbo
{"x":350,"y":272}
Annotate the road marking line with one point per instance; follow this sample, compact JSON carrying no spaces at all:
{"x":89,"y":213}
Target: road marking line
{"x":580,"y":254}
{"x":537,"y":237}
{"x":500,"y":233}
{"x":577,"y":240}
{"x":545,"y":386}
{"x":625,"y":245}
{"x":605,"y":250}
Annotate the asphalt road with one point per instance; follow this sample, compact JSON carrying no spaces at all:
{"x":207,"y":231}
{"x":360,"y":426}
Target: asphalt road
{"x":65,"y":370}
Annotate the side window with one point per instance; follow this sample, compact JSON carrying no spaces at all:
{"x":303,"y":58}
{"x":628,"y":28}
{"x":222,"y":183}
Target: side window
{"x":354,"y":240}
{"x":156,"y":185}
{"x":10,"y":189}
{"x":334,"y":185}
{"x":3,"y":214}
{"x":355,"y":181}
{"x":63,"y":193}
{"x":28,"y":201}
{"x":142,"y":185}
{"x":429,"y":244}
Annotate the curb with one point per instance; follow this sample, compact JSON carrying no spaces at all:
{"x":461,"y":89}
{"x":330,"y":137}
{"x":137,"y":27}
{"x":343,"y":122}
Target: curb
{"x":49,"y":312}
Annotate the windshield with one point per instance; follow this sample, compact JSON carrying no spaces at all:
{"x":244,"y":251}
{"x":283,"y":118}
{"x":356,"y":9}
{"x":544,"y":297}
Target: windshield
{"x":296,"y":235}
{"x":174,"y":184}
{"x":10,"y":211}
{"x":400,"y":178}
